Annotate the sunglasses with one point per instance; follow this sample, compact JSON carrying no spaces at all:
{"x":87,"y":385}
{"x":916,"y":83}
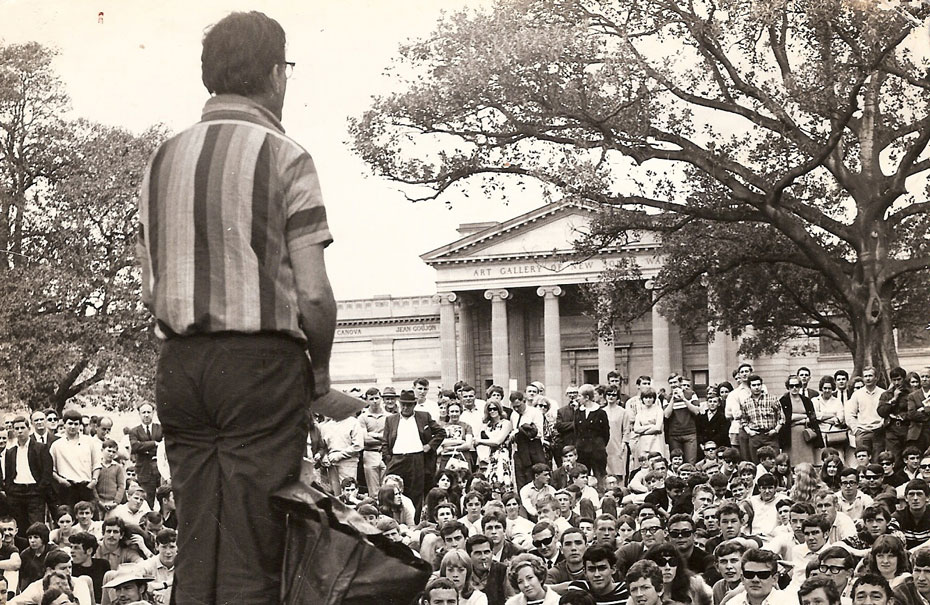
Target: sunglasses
{"x":762,"y":575}
{"x":543,"y":542}
{"x":871,"y":477}
{"x":681,"y":533}
{"x":925,"y":466}
{"x":52,"y":418}
{"x":794,"y":386}
{"x":667,"y":562}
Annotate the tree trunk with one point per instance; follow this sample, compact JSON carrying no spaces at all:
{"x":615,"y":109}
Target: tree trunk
{"x":875,"y":344}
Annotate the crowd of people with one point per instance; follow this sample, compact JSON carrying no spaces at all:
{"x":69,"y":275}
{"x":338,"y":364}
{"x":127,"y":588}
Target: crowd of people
{"x":86,"y":516}
{"x":741,"y":495}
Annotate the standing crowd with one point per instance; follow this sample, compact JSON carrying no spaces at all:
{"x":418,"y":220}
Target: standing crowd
{"x":85,"y":518}
{"x":814,"y":496}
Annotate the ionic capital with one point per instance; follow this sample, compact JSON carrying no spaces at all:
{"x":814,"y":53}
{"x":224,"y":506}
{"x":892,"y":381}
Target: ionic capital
{"x":446,"y":297}
{"x":549,"y":291}
{"x":497,"y":294}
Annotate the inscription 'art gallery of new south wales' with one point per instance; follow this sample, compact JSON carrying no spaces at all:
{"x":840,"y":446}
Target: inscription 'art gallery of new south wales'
{"x":507,"y":311}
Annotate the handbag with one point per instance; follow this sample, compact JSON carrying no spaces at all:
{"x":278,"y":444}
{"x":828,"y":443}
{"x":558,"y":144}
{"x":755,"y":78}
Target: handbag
{"x":834,"y":437}
{"x":458,"y":462}
{"x":333,"y":557}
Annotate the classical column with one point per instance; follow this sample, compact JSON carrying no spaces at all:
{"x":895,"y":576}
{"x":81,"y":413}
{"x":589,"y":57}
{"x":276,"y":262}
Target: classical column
{"x":717,"y":356}
{"x":447,"y":345}
{"x":500,"y":358}
{"x":552,"y":339}
{"x":467,"y":344}
{"x":661,"y":345}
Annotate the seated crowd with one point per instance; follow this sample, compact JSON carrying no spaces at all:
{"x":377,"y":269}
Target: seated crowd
{"x":84,"y":519}
{"x":814,"y":497}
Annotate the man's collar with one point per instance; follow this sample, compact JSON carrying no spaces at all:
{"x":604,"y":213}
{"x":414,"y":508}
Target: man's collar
{"x":222,"y":107}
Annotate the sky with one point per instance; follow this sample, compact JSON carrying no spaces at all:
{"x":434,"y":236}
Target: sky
{"x":141,"y":66}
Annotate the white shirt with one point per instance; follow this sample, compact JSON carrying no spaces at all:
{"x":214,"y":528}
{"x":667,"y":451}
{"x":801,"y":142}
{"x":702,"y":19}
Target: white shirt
{"x":408,"y":437}
{"x":23,"y":474}
{"x":776,"y":597}
{"x":862,"y":410}
{"x":530,"y":415}
{"x":75,"y":459}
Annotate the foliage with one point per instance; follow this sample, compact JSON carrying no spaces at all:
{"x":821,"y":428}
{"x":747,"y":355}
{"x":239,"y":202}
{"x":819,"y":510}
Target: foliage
{"x":70,"y":312}
{"x":779,"y":148}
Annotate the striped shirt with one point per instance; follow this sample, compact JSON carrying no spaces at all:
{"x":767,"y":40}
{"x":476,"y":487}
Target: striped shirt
{"x":618,"y":596}
{"x":222,"y":207}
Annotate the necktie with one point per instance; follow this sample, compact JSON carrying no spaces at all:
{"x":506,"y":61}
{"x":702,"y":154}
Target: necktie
{"x":549,"y":563}
{"x":148,"y":431}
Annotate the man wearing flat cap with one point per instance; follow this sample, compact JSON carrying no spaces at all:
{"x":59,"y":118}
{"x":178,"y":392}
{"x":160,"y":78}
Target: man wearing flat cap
{"x":409,"y":450}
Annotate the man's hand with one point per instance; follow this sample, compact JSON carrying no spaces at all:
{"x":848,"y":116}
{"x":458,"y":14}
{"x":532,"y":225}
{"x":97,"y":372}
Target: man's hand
{"x":426,"y":448}
{"x":321,"y":381}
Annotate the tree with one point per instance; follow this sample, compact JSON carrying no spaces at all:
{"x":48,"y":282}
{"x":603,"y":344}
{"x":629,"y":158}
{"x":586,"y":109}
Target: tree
{"x":34,"y":149}
{"x":70,"y":311}
{"x":779,"y":148}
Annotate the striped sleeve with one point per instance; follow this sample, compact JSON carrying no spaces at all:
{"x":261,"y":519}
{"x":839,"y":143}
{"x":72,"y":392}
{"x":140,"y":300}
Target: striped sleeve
{"x":306,"y":215}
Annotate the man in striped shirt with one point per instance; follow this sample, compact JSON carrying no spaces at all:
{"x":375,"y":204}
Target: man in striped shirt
{"x":231,"y":241}
{"x":600,"y":563}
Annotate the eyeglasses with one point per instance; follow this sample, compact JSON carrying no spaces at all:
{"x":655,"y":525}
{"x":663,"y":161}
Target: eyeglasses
{"x":667,"y":562}
{"x":648,"y":531}
{"x":289,"y":68}
{"x":681,"y":533}
{"x":543,"y":542}
{"x":834,"y":569}
{"x":762,"y":575}
{"x":849,"y":483}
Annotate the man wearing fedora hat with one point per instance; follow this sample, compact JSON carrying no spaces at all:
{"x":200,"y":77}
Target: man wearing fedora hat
{"x":409,"y":450}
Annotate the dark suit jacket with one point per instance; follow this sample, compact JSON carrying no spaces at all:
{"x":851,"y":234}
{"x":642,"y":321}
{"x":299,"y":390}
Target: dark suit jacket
{"x":564,"y":427}
{"x":144,"y":450}
{"x":784,"y":436}
{"x":918,"y":417}
{"x":40,"y":464}
{"x":716,"y":430}
{"x":52,"y":438}
{"x":430,"y":434}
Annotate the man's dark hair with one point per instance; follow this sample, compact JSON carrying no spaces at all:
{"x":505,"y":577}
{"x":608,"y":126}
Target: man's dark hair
{"x":166,"y":536}
{"x":838,"y":552}
{"x":38,"y":529}
{"x":872,"y":511}
{"x":874,"y":580}
{"x":494,"y":515}
{"x":517,"y":396}
{"x":570,"y":531}
{"x":911,"y":450}
{"x":897,"y":372}
{"x":438,"y":584}
{"x":829,"y":589}
{"x":681,"y":518}
{"x":473,"y":541}
{"x":541,"y":527}
{"x":674,"y":482}
{"x":754,"y":378}
{"x":843,"y":373}
{"x":600,"y":553}
{"x":614,"y":374}
{"x":421,"y":382}
{"x":728,"y":547}
{"x":56,"y":557}
{"x":850,"y":471}
{"x":802,"y":508}
{"x":644,"y":568}
{"x":451,"y":527}
{"x":86,"y":540}
{"x":72,"y":414}
{"x":154,"y":517}
{"x":760,"y":555}
{"x":162,"y":493}
{"x":539,"y":467}
{"x":917,"y":485}
{"x":922,"y":557}
{"x":731,"y":455}
{"x":818,"y":520}
{"x":729,"y":507}
{"x":239,"y":52}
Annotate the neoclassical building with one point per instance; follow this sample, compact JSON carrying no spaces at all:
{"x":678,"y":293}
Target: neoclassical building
{"x":508,"y":311}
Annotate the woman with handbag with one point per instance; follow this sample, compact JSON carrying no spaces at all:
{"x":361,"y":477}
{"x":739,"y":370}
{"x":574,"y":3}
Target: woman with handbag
{"x":799,"y":412}
{"x":831,"y":415}
{"x":457,"y":447}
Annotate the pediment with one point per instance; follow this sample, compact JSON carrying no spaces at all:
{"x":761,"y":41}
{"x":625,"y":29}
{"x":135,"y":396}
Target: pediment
{"x":548,"y":230}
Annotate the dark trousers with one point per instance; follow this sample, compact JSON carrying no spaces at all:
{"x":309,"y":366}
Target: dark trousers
{"x":410,"y":468}
{"x":234,"y":412}
{"x":27,"y":505}
{"x":73,"y":493}
{"x":874,"y":440}
{"x":896,"y":439}
{"x":757,"y":441}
